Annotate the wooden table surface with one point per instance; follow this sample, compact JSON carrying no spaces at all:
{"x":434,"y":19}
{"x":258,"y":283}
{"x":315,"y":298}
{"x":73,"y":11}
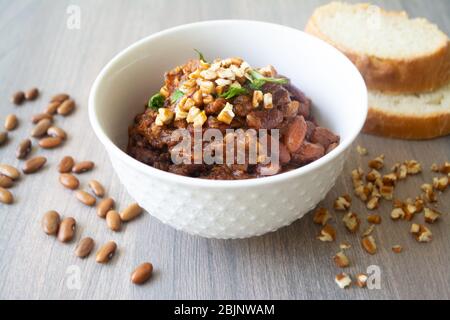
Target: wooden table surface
{"x":37,"y":49}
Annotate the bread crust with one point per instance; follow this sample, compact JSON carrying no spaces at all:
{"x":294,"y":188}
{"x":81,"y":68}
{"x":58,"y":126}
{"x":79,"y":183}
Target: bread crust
{"x":408,"y":127}
{"x":396,"y":76}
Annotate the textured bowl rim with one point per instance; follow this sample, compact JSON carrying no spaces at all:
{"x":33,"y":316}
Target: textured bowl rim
{"x":197,"y":182}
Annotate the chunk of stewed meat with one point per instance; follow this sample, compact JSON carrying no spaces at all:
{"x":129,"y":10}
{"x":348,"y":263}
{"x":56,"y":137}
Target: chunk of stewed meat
{"x":216,"y":106}
{"x":310,"y":126}
{"x":324,"y":136}
{"x":242,"y":105}
{"x":265,"y":119}
{"x":295,"y":134}
{"x":307,"y":153}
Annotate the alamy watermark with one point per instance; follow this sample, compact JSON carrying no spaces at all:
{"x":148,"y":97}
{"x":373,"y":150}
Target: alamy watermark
{"x":73,"y":21}
{"x":73,"y":277}
{"x":238,"y":146}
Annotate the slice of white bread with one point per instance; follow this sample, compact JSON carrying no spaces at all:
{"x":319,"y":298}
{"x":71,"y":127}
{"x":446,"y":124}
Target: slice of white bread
{"x":394,"y":54}
{"x":419,"y":116}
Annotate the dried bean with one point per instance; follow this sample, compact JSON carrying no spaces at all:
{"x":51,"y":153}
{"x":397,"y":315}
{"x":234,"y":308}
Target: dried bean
{"x":84,"y":247}
{"x":23,"y":149}
{"x":104,"y":206}
{"x":142,"y":273}
{"x":131,"y":212}
{"x":50,"y":142}
{"x":106,"y":252}
{"x":66,"y":164}
{"x":85,"y":197}
{"x":69,"y":181}
{"x":11,"y":122}
{"x":34,"y":164}
{"x":66,"y":230}
{"x":50,"y":222}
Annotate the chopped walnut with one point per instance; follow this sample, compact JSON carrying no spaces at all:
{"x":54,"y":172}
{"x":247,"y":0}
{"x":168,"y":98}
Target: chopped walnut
{"x":445,"y":168}
{"x":341,"y":260}
{"x":428,"y":193}
{"x":377,"y":163}
{"x":321,"y":216}
{"x":389,"y":179}
{"x":421,"y":233}
{"x":345,"y":245}
{"x":373,"y":175}
{"x":434,"y":167}
{"x":343,"y":280}
{"x":361,"y":150}
{"x":440,"y":183}
{"x":327,"y":234}
{"x":397,"y":213}
{"x":431,"y":216}
{"x":397,"y":248}
{"x":413,"y":167}
{"x":400,"y":171}
{"x":373,"y":203}
{"x":357,"y":177}
{"x":369,"y":230}
{"x":368,"y":243}
{"x":361,"y":280}
{"x":351,"y":222}
{"x":363,"y":192}
{"x":387,"y":192}
{"x":343,"y":203}
{"x":374,"y":218}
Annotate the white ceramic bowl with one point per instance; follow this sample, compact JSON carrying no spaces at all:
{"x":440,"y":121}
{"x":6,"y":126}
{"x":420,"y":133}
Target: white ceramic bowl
{"x":228,"y":209}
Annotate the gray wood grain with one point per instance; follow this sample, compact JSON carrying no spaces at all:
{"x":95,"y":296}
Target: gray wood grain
{"x":36,"y":48}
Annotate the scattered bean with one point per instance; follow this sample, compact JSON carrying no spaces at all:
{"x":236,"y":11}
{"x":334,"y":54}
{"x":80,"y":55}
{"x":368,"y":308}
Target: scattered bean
{"x":9,"y":171}
{"x":38,"y":117}
{"x":18,"y":97}
{"x":41,"y":128}
{"x":113,"y":220}
{"x":83,"y":166}
{"x":52,"y":107}
{"x":60,"y":97}
{"x":66,"y":230}
{"x":5,"y":181}
{"x":104,"y":206}
{"x":56,"y":132}
{"x":106,"y":252}
{"x":131,"y":212}
{"x":142,"y":273}
{"x":32,"y":94}
{"x":66,"y":164}
{"x":23,"y":149}
{"x":3,"y":137}
{"x":66,"y":107}
{"x":69,"y":181}
{"x":50,"y":222}
{"x":6,"y":196}
{"x":50,"y":142}
{"x":85,"y":198}
{"x":11,"y":122}
{"x":84,"y":247}
{"x":34,"y":164}
{"x":97,"y":188}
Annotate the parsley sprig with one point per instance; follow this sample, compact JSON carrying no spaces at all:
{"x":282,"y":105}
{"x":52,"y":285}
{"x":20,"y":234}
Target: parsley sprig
{"x":233,"y":91}
{"x":156,"y":101}
{"x":258,"y":80}
{"x":200,"y":55}
{"x":176,"y":95}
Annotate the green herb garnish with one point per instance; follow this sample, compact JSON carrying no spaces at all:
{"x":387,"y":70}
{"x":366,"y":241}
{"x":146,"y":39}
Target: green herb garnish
{"x":176,"y":95}
{"x":200,"y":55}
{"x":156,"y":101}
{"x":258,"y":80}
{"x":233,"y":91}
